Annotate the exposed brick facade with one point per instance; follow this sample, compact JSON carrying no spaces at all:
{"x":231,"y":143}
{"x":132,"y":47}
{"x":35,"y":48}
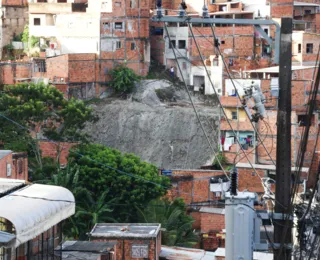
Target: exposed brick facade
{"x":50,"y":149}
{"x":123,"y":249}
{"x":19,"y":166}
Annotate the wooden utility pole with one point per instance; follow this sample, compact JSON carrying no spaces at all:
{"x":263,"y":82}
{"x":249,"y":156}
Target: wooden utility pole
{"x":282,"y":217}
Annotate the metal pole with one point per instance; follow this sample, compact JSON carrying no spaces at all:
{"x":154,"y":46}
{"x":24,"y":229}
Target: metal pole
{"x":282,"y":234}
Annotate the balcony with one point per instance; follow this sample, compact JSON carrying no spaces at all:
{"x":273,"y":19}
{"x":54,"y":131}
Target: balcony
{"x":50,"y":8}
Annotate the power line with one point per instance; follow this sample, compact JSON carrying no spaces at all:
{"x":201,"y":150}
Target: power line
{"x":204,"y":65}
{"x":236,"y":91}
{"x":193,"y":106}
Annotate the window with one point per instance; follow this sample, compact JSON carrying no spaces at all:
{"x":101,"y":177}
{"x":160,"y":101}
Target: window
{"x":133,"y":46}
{"x":309,"y":47}
{"x":9,"y":170}
{"x":302,"y":120}
{"x":223,"y":42}
{"x":118,"y":45}
{"x":172,"y":44}
{"x":118,"y":25}
{"x":36,"y":21}
{"x":39,"y":65}
{"x":117,"y":4}
{"x":299,"y":48}
{"x":20,"y":166}
{"x":132,"y":3}
{"x":105,"y":25}
{"x":307,"y":11}
{"x":182,"y":44}
{"x":234,"y":115}
{"x":184,"y":65}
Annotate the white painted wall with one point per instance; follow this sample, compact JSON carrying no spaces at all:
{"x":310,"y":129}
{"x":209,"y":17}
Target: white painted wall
{"x":255,"y":5}
{"x":239,"y":84}
{"x":97,"y":6}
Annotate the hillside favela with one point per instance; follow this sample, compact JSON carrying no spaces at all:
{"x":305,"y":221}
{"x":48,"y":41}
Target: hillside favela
{"x":159,"y":130}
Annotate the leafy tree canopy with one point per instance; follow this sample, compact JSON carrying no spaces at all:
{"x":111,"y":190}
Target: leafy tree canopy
{"x":123,"y":78}
{"x":43,"y":109}
{"x":173,"y":218}
{"x":95,"y":175}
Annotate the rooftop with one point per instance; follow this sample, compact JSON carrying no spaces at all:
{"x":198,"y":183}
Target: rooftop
{"x":131,"y":231}
{"x":83,"y":246}
{"x":231,"y":12}
{"x":181,"y":253}
{"x":7,"y":185}
{"x":6,"y":238}
{"x":84,"y":250}
{"x":295,"y":3}
{"x":275,"y":69}
{"x":219,"y":211}
{"x":4,"y":153}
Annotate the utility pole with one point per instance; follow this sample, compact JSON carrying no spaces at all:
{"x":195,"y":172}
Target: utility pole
{"x":282,"y":215}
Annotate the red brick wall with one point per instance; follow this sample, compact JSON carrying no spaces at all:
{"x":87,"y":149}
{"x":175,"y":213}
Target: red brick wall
{"x":57,"y":67}
{"x":211,"y":222}
{"x":281,"y":8}
{"x":19,"y":166}
{"x":15,"y":2}
{"x":50,"y":149}
{"x":123,"y":247}
{"x":9,"y":72}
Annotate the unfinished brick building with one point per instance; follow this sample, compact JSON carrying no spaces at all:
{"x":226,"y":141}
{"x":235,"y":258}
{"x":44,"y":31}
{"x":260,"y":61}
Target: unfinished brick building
{"x":14,"y":17}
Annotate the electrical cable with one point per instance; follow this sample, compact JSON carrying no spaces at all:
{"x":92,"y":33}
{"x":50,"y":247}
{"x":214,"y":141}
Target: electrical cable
{"x":194,"y":108}
{"x":236,"y":91}
{"x":190,"y":28}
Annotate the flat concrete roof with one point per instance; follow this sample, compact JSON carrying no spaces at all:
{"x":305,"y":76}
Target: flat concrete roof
{"x":4,"y":153}
{"x":275,"y":69}
{"x":97,"y":247}
{"x":219,"y":211}
{"x":267,"y":167}
{"x":296,"y":3}
{"x":126,"y":230}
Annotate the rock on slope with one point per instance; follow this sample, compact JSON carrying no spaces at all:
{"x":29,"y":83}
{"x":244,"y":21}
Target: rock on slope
{"x":165,"y":134}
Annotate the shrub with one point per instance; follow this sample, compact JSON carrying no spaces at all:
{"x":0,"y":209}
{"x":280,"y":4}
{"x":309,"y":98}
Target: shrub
{"x":123,"y":79}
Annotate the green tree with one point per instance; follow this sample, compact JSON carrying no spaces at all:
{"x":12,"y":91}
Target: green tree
{"x":173,"y":218}
{"x":123,"y":79}
{"x":130,"y":189}
{"x":43,"y":110}
{"x":91,"y":211}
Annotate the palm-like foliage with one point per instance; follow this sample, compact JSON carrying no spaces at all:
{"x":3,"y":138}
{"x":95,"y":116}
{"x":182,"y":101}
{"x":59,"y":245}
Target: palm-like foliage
{"x":93,"y":212}
{"x":88,"y":211}
{"x":173,"y":218}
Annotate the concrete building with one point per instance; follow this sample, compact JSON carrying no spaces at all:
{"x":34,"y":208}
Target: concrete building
{"x":13,"y":165}
{"x":133,"y":240}
{"x":14,"y":17}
